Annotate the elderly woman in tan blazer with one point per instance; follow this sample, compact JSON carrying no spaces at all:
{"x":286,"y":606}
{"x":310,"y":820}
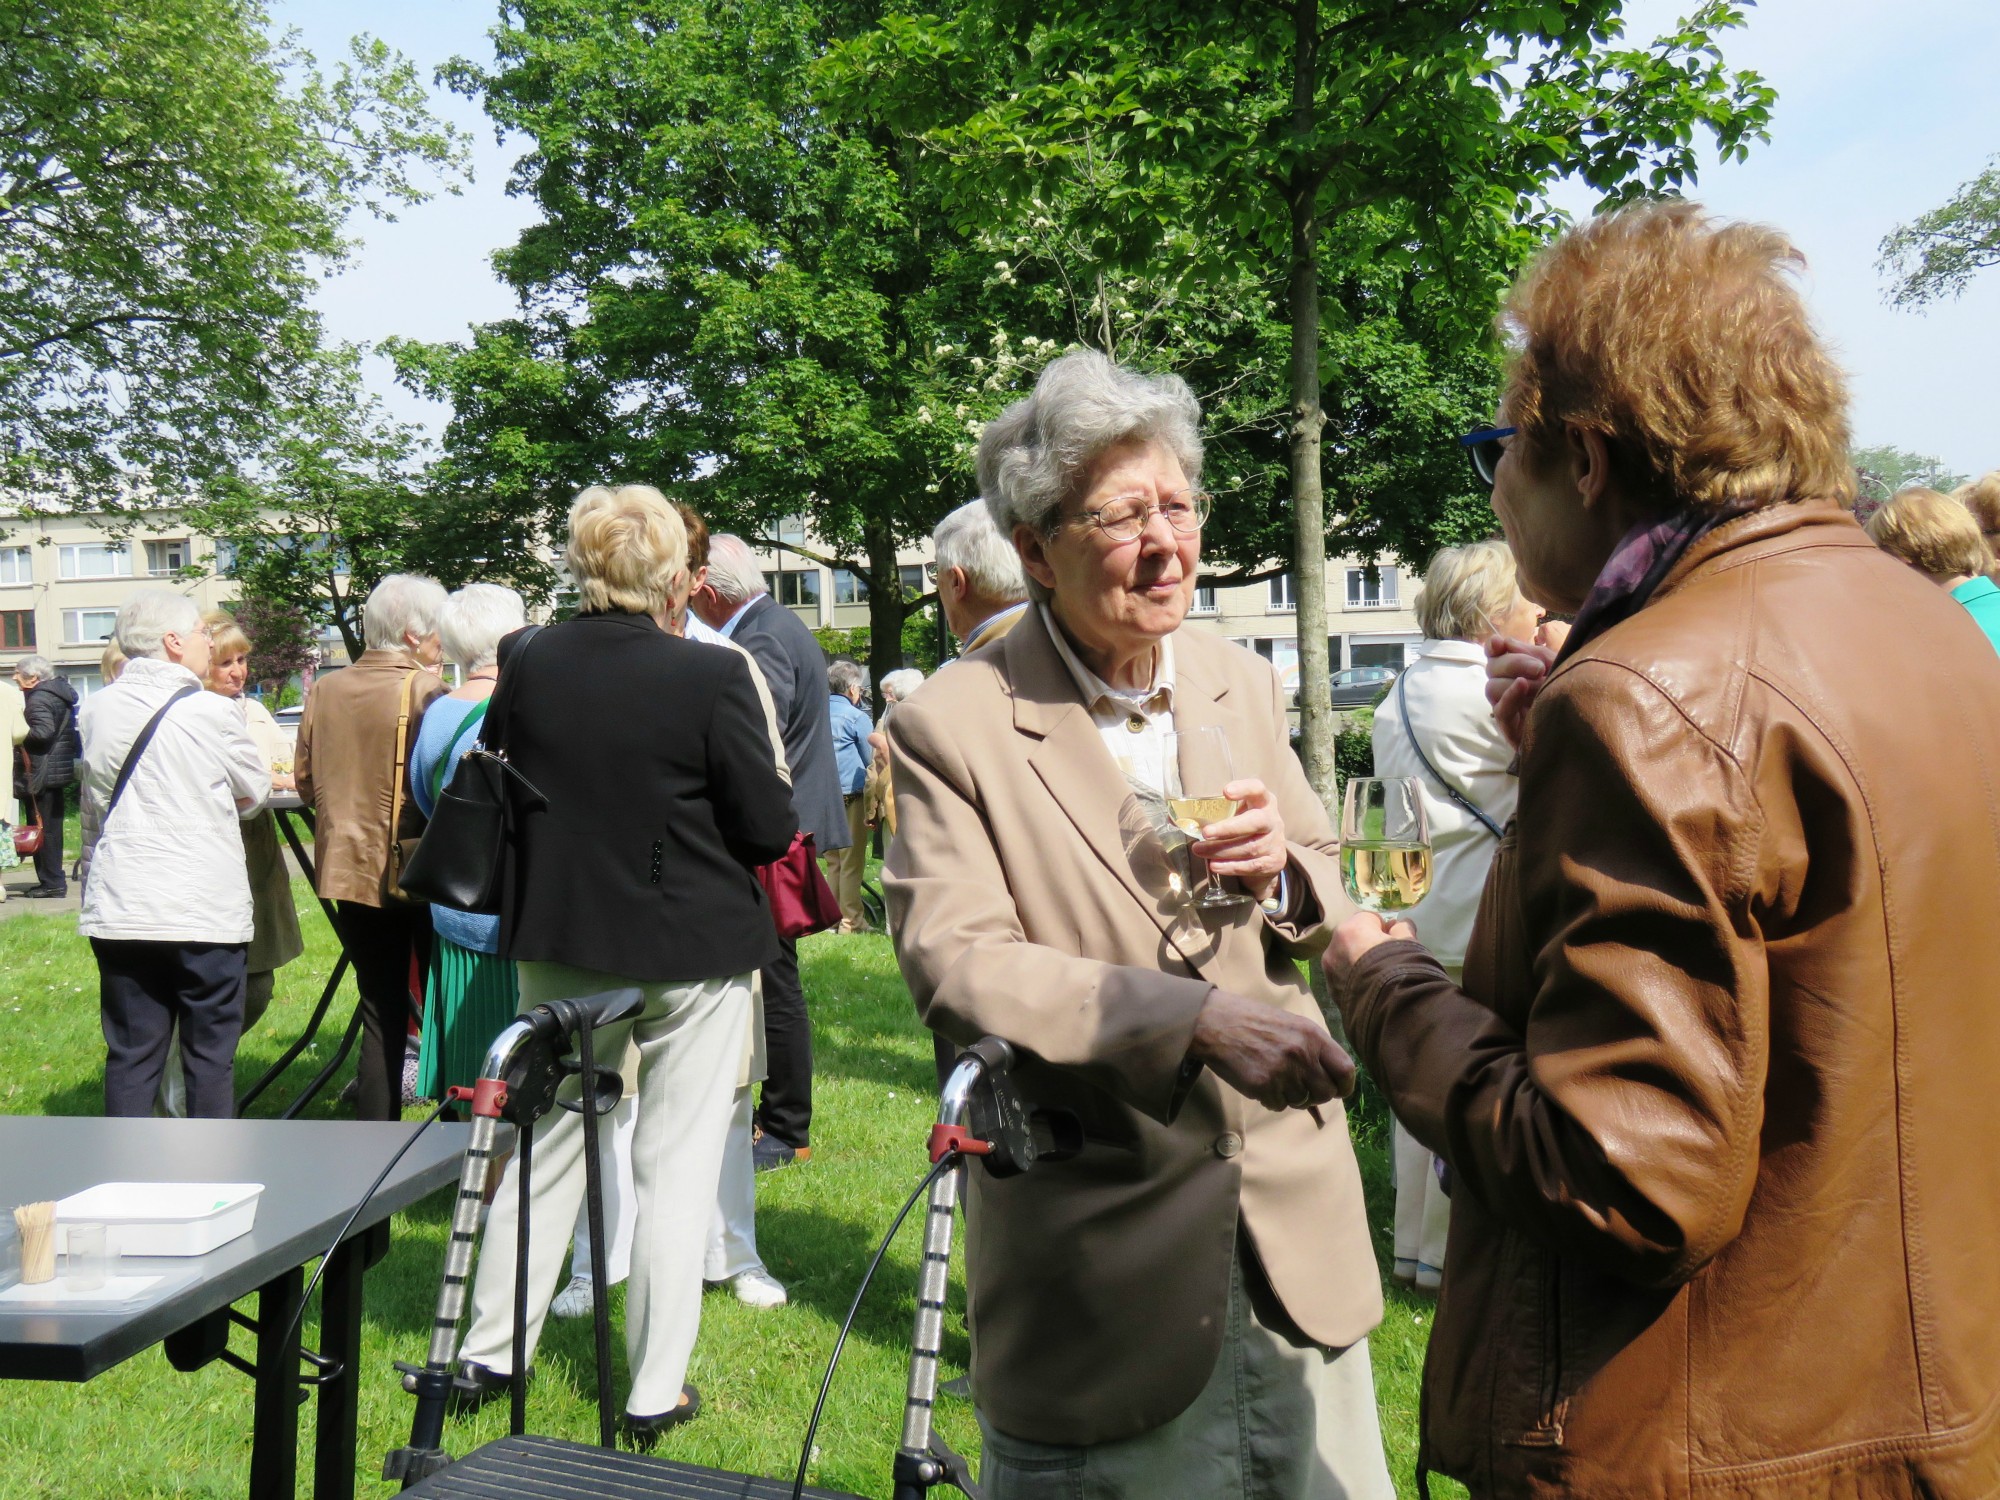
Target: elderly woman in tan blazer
{"x":1184,"y":1308}
{"x":355,"y":738}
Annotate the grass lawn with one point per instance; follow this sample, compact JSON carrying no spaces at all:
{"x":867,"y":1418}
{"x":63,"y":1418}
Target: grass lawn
{"x":144,"y":1430}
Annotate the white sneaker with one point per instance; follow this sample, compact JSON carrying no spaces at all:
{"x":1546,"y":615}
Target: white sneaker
{"x":757,"y":1287}
{"x":573,"y":1301}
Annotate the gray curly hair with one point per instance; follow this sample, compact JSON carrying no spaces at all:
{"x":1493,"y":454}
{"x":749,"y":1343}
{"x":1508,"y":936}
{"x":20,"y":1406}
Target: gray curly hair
{"x":1038,"y":452}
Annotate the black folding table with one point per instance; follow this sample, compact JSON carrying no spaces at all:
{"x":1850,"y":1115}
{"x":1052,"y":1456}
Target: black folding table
{"x":313,"y":1172}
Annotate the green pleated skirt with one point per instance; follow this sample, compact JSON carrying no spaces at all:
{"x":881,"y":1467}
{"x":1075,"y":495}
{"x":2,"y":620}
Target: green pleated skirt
{"x":469,"y":999}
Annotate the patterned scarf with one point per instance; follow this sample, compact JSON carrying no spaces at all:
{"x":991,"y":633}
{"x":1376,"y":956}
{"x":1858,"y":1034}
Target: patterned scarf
{"x":1639,"y":564}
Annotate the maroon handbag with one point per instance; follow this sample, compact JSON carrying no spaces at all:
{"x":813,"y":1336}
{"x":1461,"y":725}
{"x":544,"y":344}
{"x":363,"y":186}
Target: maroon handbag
{"x":802,"y":902}
{"x":28,"y":841}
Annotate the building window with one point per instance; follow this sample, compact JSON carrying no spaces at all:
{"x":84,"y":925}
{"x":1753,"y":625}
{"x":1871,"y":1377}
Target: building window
{"x":17,"y":565}
{"x":791,"y":529}
{"x":1281,"y":597}
{"x":1371,"y":588}
{"x":225,"y":558}
{"x":849,"y":587}
{"x":164,"y":559}
{"x":86,"y":680}
{"x":17,"y":630}
{"x":915,"y":584}
{"x":799,"y":590}
{"x":1333,"y":653}
{"x":88,"y":627}
{"x":94,"y":560}
{"x":1204,"y":599}
{"x":1383,"y":652}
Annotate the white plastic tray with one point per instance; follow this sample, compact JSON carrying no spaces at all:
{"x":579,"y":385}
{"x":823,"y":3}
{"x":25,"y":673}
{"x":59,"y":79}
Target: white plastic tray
{"x":162,"y":1218}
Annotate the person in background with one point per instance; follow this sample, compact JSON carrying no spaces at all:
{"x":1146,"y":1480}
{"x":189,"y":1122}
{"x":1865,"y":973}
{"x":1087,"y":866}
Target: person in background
{"x":635,"y":874}
{"x":111,"y":663}
{"x":470,"y":995}
{"x":1436,"y":726}
{"x":1982,"y":497}
{"x":351,"y":765}
{"x":735,"y":603}
{"x":1182,"y":1309}
{"x":879,"y":794}
{"x":166,"y":893}
{"x":1723,"y":1210}
{"x":1940,"y":538}
{"x":274,"y":939}
{"x":46,"y":765}
{"x":852,"y":753}
{"x":13,"y":730}
{"x":980,"y":585}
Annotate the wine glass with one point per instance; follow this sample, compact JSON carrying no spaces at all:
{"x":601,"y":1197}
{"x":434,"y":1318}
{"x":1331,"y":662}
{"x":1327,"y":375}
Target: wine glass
{"x":1197,"y":769}
{"x":1385,"y":843}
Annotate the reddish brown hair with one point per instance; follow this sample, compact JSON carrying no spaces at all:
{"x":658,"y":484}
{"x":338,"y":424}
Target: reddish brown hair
{"x":1685,"y":343}
{"x":697,"y":530}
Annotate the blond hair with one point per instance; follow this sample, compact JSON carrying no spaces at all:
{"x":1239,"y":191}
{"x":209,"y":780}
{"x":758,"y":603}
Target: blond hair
{"x":1466,"y":590}
{"x":1982,"y":497}
{"x":1933,"y":533}
{"x":227,"y":635}
{"x":627,"y":548}
{"x":1685,"y":344}
{"x":111,"y":663}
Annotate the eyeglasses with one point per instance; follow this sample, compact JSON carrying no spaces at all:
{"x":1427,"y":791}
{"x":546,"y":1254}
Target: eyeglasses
{"x":1124,"y":518}
{"x":1485,"y":448}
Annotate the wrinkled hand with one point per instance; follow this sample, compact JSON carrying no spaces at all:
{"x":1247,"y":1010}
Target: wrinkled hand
{"x":1281,"y":1060}
{"x":1249,"y":844}
{"x":1356,"y":936}
{"x":1515,"y":671}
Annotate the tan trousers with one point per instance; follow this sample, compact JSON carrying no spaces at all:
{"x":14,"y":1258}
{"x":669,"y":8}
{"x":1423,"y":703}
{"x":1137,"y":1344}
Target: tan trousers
{"x":690,"y":1042}
{"x":1277,"y":1421}
{"x":845,"y":867}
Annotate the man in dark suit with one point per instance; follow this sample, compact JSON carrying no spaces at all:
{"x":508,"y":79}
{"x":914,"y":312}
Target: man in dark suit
{"x":735,"y":602}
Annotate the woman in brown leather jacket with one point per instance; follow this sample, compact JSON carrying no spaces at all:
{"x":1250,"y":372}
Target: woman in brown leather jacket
{"x":1715,"y":1091}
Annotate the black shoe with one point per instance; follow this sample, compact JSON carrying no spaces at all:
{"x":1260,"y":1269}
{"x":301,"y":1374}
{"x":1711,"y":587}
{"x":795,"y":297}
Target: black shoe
{"x":961,"y":1388}
{"x":474,"y":1385}
{"x":44,"y":893}
{"x":768,"y":1153}
{"x":645,"y":1431}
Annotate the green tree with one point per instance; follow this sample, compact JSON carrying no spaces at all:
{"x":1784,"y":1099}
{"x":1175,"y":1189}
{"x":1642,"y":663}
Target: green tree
{"x":1936,"y":254}
{"x":1381,"y":169}
{"x":339,"y":498}
{"x":1881,"y":471}
{"x":172,"y":184}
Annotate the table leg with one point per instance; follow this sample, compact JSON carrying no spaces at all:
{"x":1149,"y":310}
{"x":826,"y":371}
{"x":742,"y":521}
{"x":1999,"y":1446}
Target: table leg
{"x":274,"y":1443}
{"x":338,"y":1422}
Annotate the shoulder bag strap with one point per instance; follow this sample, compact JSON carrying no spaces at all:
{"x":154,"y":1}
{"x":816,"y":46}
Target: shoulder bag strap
{"x":34,"y":802}
{"x":139,"y":748}
{"x":402,"y":753}
{"x":1403,"y":703}
{"x":442,"y":770}
{"x":493,"y":731}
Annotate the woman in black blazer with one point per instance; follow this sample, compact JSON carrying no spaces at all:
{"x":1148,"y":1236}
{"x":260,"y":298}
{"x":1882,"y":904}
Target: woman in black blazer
{"x":655,"y":756}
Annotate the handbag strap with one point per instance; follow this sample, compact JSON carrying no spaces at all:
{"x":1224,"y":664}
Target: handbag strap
{"x":402,"y":774}
{"x":138,"y":749}
{"x":34,"y":802}
{"x":493,"y":732}
{"x":1403,"y":704}
{"x":471,"y":722}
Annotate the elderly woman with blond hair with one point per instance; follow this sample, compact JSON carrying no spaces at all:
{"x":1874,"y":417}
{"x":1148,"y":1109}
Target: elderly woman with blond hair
{"x":1706,"y":1083}
{"x":1941,"y":539}
{"x":655,"y":758}
{"x":1436,"y":727}
{"x":1183,"y":1309}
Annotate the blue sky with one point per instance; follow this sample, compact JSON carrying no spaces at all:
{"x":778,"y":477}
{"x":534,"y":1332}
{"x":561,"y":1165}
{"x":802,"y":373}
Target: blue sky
{"x":1883,"y":110}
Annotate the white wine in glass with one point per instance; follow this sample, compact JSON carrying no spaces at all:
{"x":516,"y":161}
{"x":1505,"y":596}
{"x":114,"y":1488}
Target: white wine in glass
{"x":1197,"y":769}
{"x":1385,"y":843}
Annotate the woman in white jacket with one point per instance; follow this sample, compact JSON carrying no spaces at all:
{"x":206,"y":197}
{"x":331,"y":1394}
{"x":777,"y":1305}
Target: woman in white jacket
{"x":166,"y":899}
{"x":1436,"y":725}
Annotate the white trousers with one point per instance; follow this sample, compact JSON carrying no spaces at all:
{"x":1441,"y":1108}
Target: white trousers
{"x":1423,"y":1212}
{"x":690,"y":1039}
{"x":732,"y":1234}
{"x":621,"y":1208}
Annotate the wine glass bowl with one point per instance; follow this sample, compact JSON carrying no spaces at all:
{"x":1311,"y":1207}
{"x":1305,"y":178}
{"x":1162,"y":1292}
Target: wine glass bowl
{"x":1198,"y":767}
{"x":1385,"y":843}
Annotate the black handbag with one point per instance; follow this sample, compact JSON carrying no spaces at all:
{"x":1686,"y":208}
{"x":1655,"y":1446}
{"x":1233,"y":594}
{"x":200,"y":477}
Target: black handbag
{"x":459,"y":860}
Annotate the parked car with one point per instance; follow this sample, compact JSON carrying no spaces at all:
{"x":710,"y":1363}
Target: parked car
{"x":1360,"y":687}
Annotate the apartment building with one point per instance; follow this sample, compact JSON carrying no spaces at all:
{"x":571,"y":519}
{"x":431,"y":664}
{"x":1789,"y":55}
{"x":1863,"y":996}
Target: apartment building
{"x":1370,"y":618}
{"x":62,"y":579}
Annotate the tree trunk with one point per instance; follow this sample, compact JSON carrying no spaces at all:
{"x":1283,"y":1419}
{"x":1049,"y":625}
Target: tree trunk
{"x":885,"y":606}
{"x":1307,"y":419}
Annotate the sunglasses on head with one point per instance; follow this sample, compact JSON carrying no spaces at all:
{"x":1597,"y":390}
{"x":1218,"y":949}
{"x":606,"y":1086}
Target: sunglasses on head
{"x":1485,"y":448}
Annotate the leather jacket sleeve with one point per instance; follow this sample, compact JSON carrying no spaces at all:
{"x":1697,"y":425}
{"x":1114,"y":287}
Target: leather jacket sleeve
{"x":1617,"y":1118}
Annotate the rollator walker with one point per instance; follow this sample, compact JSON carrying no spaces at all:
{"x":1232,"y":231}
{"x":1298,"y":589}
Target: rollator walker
{"x":980,"y":1115}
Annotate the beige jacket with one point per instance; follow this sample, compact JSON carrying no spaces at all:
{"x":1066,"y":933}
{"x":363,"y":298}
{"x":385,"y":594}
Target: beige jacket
{"x":1029,"y":900}
{"x":13,"y":718}
{"x":346,"y":769}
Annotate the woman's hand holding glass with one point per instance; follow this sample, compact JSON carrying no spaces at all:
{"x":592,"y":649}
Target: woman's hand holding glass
{"x":1250,"y":843}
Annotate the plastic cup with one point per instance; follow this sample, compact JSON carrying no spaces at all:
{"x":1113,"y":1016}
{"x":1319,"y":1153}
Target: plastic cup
{"x":87,"y":1261}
